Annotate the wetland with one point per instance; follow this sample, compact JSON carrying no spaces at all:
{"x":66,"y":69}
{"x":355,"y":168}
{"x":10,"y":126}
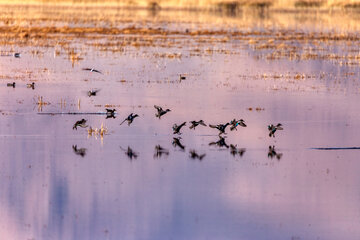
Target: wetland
{"x":138,"y":180}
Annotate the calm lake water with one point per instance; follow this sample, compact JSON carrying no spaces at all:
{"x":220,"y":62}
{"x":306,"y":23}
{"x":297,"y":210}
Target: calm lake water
{"x":60,"y":183}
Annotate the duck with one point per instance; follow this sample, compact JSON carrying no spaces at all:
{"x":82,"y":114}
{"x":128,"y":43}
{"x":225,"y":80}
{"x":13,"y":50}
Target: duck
{"x":110,"y":113}
{"x":220,"y":127}
{"x":194,"y":124}
{"x":236,"y":123}
{"x":80,"y":123}
{"x":11,"y":84}
{"x":160,"y":111}
{"x":272,"y":129}
{"x":130,"y":118}
{"x":17,"y":55}
{"x":31,"y":85}
{"x":93,"y":92}
{"x":176,"y":128}
{"x":182,"y":77}
{"x":130,"y":153}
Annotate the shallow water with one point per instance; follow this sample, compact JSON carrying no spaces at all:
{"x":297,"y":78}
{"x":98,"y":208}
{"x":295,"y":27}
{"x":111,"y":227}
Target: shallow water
{"x":51,"y":189}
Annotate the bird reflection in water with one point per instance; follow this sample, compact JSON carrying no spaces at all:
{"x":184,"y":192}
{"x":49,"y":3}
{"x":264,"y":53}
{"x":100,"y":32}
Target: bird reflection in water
{"x":79,"y":151}
{"x":110,"y":113}
{"x":237,"y":151}
{"x":194,"y":155}
{"x":176,"y":143}
{"x":272,"y":153}
{"x":159,"y":151}
{"x":131,"y":154}
{"x":220,"y":143}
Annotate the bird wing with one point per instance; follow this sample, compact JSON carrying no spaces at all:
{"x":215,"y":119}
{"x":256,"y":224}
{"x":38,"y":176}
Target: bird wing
{"x":212,"y":126}
{"x":158,"y":108}
{"x":202,"y":123}
{"x":123,"y":121}
{"x":97,"y":71}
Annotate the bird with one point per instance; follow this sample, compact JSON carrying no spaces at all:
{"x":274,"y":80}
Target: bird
{"x":31,"y":85}
{"x":236,"y":123}
{"x":159,"y":151}
{"x":177,"y":128}
{"x":195,"y":155}
{"x":17,"y":55}
{"x":176,"y":143}
{"x":182,"y":77}
{"x":110,"y":113}
{"x":220,"y":143}
{"x":11,"y":84}
{"x":220,"y":127}
{"x":91,"y":70}
{"x":80,"y":123}
{"x":130,"y":118}
{"x":93,"y":92}
{"x":160,"y":111}
{"x":79,"y":151}
{"x":194,"y":124}
{"x":272,"y":129}
{"x":234,"y":150}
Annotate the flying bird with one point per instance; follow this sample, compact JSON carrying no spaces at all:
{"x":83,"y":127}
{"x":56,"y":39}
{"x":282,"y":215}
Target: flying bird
{"x":160,"y":111}
{"x":80,"y":123}
{"x":93,"y":92}
{"x":176,"y":128}
{"x":220,"y":127}
{"x":194,"y":124}
{"x":272,"y":129}
{"x":234,"y":123}
{"x":91,"y":70}
{"x":130,"y":118}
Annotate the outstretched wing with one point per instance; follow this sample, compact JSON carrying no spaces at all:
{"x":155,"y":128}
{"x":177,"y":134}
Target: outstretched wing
{"x":158,"y":108}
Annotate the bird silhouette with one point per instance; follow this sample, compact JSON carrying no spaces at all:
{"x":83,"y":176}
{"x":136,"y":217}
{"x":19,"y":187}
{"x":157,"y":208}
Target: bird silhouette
{"x":194,"y":124}
{"x":160,"y":111}
{"x":176,"y":128}
{"x":91,"y":70}
{"x":272,"y":129}
{"x":130,"y":118}
{"x":220,"y":127}
{"x":234,"y":123}
{"x":80,"y":123}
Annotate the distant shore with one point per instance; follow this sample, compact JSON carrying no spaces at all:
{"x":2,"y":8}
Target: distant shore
{"x":212,"y":5}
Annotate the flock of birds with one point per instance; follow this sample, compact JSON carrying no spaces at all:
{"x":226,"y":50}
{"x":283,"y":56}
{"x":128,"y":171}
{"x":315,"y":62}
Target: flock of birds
{"x":160,"y":111}
{"x":159,"y":151}
{"x":110,"y":113}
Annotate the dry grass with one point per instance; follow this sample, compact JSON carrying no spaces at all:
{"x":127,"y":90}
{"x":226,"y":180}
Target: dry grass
{"x":229,"y":6}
